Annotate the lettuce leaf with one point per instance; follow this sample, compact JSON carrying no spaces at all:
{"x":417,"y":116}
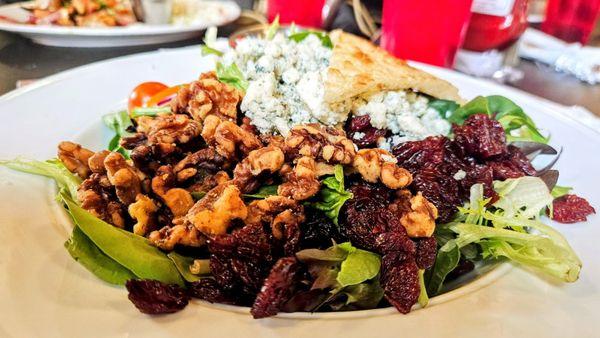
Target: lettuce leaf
{"x":423,"y":299}
{"x":559,"y":191}
{"x":264,"y":192}
{"x":323,"y":36}
{"x":333,"y":195}
{"x":210,"y":38}
{"x":118,"y":122}
{"x":232,"y":76}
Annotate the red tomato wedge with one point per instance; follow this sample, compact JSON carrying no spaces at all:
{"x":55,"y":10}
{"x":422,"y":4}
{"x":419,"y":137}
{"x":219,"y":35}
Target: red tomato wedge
{"x":141,"y":95}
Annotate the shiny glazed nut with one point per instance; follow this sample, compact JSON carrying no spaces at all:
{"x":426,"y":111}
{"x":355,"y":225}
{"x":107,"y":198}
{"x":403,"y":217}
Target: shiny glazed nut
{"x":321,"y":143}
{"x":379,"y":165}
{"x":96,"y":162}
{"x":213,"y":214}
{"x":123,"y":176}
{"x":142,"y":210}
{"x":75,"y":158}
{"x":420,"y":220}
{"x":267,"y":159}
{"x":180,"y":234}
{"x":228,"y":138}
{"x":97,"y":196}
{"x":178,"y":200}
{"x":302,"y":183}
{"x":173,"y":128}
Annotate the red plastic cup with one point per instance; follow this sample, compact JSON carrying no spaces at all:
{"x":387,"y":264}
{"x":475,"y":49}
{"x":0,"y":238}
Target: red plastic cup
{"x":571,"y":20}
{"x":308,"y":13}
{"x":425,"y":31}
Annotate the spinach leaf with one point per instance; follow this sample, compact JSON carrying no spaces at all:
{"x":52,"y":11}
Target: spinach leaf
{"x":264,"y":192}
{"x":118,"y":122}
{"x":333,"y":195}
{"x":231,"y":75}
{"x":323,"y":36}
{"x":446,"y":260}
{"x":364,"y":295}
{"x":444,"y":107}
{"x":509,"y":114}
{"x":183,"y":263}
{"x":150,"y":111}
{"x":130,"y":250}
{"x":51,"y":168}
{"x":560,"y":191}
{"x":359,"y":266}
{"x":84,"y":251}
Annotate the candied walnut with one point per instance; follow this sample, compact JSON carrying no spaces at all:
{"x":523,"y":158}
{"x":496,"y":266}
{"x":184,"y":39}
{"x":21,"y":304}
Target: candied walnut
{"x":123,"y":176}
{"x":209,"y":182}
{"x":419,"y":221}
{"x":302,"y":183}
{"x":142,"y":210}
{"x":207,"y":96}
{"x":96,"y":162}
{"x":153,"y":297}
{"x":266,"y":159}
{"x":379,"y":165}
{"x":207,"y":159}
{"x":277,"y":289}
{"x":180,"y":234}
{"x":75,"y":158}
{"x":178,"y":200}
{"x":213,"y":214}
{"x":228,"y":139}
{"x":321,"y":143}
{"x":96,"y":195}
{"x":173,"y":128}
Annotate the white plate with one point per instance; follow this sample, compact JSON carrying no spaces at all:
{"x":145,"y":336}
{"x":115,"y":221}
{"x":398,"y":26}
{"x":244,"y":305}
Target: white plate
{"x":44,"y":293}
{"x":132,"y":35}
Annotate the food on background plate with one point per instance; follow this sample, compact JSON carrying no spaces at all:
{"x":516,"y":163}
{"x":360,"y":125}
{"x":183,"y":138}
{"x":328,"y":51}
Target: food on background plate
{"x":309,"y":172}
{"x":86,"y":13}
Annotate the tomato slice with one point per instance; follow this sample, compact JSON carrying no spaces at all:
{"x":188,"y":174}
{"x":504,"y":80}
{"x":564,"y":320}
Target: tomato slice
{"x":141,"y":94}
{"x":163,"y":95}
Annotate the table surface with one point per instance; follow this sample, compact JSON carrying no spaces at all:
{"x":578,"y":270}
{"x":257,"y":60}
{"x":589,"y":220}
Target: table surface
{"x":22,"y":59}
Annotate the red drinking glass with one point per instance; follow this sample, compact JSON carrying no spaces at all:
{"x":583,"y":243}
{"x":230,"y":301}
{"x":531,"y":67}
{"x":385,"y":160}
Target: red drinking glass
{"x":571,"y":20}
{"x":308,"y":13}
{"x":426,"y":31}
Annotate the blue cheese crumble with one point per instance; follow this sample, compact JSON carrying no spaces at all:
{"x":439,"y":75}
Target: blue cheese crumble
{"x":285,"y":82}
{"x":406,"y":114}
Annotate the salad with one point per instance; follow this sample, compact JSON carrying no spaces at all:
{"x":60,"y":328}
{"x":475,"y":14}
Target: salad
{"x":309,"y":172}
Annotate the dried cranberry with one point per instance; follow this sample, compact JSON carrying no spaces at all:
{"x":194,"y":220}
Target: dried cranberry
{"x":222,"y":271}
{"x":513,"y":165}
{"x":277,"y":289}
{"x":251,"y":274}
{"x":400,"y":281}
{"x":362,"y":124}
{"x":209,"y":290}
{"x":571,"y":209}
{"x":426,"y":252}
{"x":394,"y":241}
{"x":481,"y":136}
{"x":440,"y":189}
{"x":318,"y":231}
{"x":418,"y":154}
{"x":154,"y":297}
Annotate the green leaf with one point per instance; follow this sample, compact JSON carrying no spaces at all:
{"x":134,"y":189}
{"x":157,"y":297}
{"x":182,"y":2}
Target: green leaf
{"x":446,"y":260}
{"x":130,"y":250}
{"x":206,"y":50}
{"x":333,"y":195}
{"x":84,"y":251}
{"x":365,"y":295}
{"x":264,"y":192}
{"x":52,"y":168}
{"x":323,"y":36}
{"x":423,"y":299}
{"x":444,"y":107}
{"x":183,"y":263}
{"x":526,"y":196}
{"x":331,"y":254}
{"x":559,"y":191}
{"x":118,"y":122}
{"x":150,"y":111}
{"x":359,"y":266}
{"x":232,"y":76}
{"x":272,"y":29}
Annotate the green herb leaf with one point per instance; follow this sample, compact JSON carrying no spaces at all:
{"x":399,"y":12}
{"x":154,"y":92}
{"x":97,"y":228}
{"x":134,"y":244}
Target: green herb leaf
{"x":264,"y":192}
{"x":323,"y":36}
{"x":512,"y":117}
{"x":364,"y":295}
{"x":52,"y":168}
{"x":272,"y":29}
{"x":446,"y":260}
{"x":210,"y":51}
{"x":183,"y":263}
{"x":84,"y":251}
{"x":118,"y":122}
{"x":423,"y":299}
{"x":231,"y":75}
{"x":559,"y":191}
{"x":130,"y":250}
{"x":444,"y":107}
{"x":150,"y":111}
{"x":359,"y":266}
{"x":333,"y":195}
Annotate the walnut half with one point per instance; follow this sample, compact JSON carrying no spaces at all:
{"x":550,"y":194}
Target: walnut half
{"x":213,"y":214}
{"x":302,"y":183}
{"x":379,"y":165}
{"x":321,"y":143}
{"x":419,"y":221}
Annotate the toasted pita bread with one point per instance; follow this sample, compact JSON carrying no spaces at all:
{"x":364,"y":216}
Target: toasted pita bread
{"x":358,"y":67}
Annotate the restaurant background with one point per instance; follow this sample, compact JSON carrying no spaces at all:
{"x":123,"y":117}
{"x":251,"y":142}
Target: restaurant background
{"x":21,"y":61}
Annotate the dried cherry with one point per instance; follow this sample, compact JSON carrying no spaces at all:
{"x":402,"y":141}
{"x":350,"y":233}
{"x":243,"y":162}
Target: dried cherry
{"x":571,"y":209}
{"x":362,"y":124}
{"x":277,"y":289}
{"x":400,"y":280}
{"x":154,"y":297}
{"x":209,"y":290}
{"x":481,"y":136}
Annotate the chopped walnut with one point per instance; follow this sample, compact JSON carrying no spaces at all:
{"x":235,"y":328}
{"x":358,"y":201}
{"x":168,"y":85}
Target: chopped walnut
{"x":209,"y":182}
{"x":266,"y":159}
{"x":178,"y":200}
{"x":213,"y":214}
{"x":96,"y":195}
{"x":173,"y":128}
{"x":142,"y":210}
{"x":302,"y":183}
{"x":228,"y":138}
{"x":321,"y":143}
{"x":418,"y":214}
{"x":180,"y":234}
{"x":96,"y":162}
{"x":207,"y":159}
{"x":75,"y":158}
{"x":278,"y":212}
{"x":207,"y":96}
{"x":123,"y":176}
{"x":377,"y":164}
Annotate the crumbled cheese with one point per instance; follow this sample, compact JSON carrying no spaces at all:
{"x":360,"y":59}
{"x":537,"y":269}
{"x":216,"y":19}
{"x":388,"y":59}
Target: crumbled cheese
{"x":285,"y":82}
{"x":459,"y":175}
{"x":406,"y":114}
{"x":358,"y":135}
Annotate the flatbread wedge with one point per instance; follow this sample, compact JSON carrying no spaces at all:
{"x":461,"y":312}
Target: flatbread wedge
{"x":358,"y":67}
